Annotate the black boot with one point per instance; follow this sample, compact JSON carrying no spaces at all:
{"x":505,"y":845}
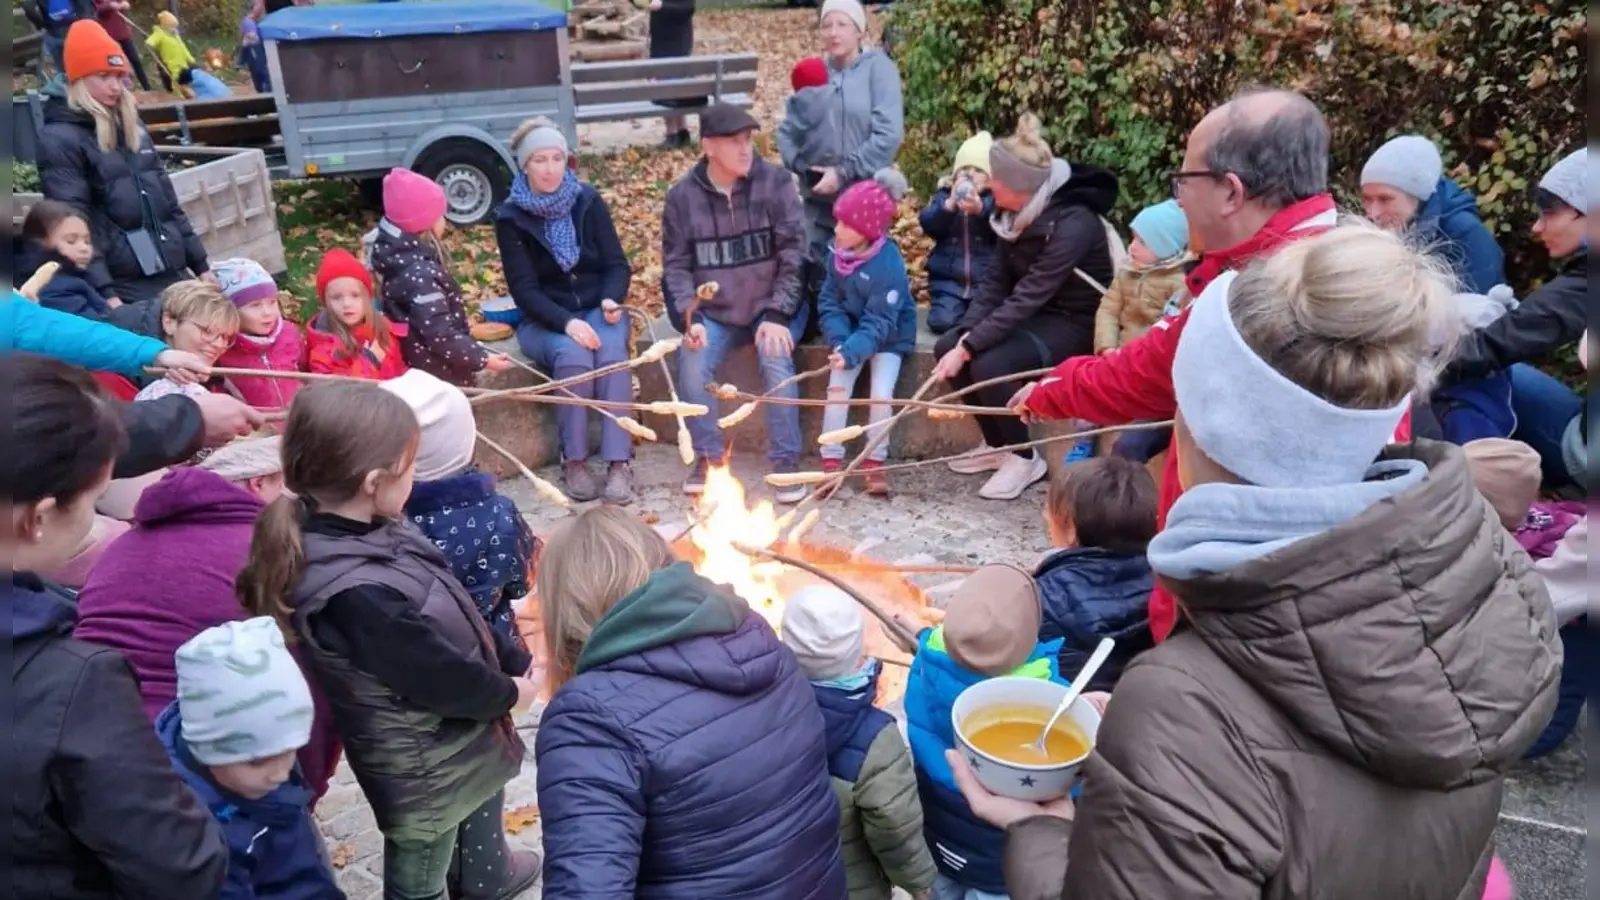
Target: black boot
{"x":677,"y":140}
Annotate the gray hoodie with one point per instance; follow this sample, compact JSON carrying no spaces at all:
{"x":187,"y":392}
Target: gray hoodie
{"x":870,"y":127}
{"x":749,"y":242}
{"x":812,"y":117}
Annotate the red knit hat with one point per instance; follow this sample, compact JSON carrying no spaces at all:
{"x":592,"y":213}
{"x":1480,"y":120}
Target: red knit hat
{"x":809,"y":72}
{"x":90,"y":51}
{"x":340,"y":263}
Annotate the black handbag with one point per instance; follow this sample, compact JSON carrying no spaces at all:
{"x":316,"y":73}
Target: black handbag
{"x":142,"y":242}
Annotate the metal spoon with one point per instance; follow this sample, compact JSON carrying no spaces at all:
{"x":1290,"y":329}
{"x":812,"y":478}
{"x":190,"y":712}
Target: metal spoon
{"x":1096,"y":660}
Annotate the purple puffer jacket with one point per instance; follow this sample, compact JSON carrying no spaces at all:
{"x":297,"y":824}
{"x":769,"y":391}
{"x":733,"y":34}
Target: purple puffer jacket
{"x":171,"y":578}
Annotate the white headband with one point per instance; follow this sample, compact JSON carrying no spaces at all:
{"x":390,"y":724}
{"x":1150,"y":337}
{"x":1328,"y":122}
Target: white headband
{"x":1258,"y":424}
{"x":545,"y":137}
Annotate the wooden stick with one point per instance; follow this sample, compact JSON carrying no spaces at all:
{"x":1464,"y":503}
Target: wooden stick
{"x":696,"y":519}
{"x":897,"y":632}
{"x":815,"y":499}
{"x":548,"y":490}
{"x":546,"y":378}
{"x":904,"y":664}
{"x":929,"y":405}
{"x":551,"y":386}
{"x":909,"y":569}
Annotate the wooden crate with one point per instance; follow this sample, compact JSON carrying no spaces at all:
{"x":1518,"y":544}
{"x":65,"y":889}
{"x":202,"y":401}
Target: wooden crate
{"x":227,"y":195}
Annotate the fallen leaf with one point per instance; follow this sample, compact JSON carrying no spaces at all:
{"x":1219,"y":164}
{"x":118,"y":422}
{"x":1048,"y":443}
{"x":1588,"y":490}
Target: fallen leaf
{"x":521,"y":817}
{"x":342,"y":855}
{"x":650,"y":518}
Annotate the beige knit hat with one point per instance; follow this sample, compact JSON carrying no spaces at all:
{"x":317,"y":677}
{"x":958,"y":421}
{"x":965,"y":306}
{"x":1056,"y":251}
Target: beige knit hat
{"x":992,"y":622}
{"x":1507,"y":475}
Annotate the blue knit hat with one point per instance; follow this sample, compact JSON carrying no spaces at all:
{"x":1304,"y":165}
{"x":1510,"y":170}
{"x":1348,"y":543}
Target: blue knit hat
{"x":1568,"y":180}
{"x":1163,"y":228}
{"x":1409,"y":163}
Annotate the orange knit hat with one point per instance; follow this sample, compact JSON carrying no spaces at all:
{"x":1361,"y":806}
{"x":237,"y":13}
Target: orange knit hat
{"x":90,"y":51}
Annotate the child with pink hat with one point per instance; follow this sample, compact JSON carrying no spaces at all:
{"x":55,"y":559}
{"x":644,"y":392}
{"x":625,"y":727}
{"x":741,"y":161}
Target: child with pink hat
{"x":867,"y":313}
{"x":417,"y":288}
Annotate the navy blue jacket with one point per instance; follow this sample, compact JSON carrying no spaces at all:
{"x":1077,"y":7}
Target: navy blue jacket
{"x":1448,"y":223}
{"x":488,"y":545}
{"x":851,"y":723}
{"x":870,"y":312}
{"x":272,"y":842}
{"x":686,"y":759}
{"x":962,"y":246}
{"x":1088,"y":594}
{"x":547,"y":296}
{"x":68,"y":291}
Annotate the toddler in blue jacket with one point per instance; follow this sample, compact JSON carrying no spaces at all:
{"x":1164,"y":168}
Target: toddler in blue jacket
{"x":55,"y":232}
{"x":957,"y":218}
{"x":990,"y":629}
{"x":243,"y":710}
{"x":866,"y":311}
{"x":1096,"y":583}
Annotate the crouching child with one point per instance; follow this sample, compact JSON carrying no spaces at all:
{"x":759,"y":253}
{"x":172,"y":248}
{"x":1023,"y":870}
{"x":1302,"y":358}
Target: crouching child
{"x":880,"y":815}
{"x":242,"y":713}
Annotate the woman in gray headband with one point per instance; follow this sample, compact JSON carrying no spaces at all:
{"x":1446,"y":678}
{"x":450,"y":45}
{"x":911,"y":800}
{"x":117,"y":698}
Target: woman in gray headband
{"x":568,"y":275}
{"x":1033,"y":308}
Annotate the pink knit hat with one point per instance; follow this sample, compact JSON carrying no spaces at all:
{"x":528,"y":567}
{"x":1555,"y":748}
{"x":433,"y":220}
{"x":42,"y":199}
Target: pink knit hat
{"x":413,"y":203}
{"x":868,"y":207}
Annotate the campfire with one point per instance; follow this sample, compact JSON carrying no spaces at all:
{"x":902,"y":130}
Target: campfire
{"x":726,"y":519}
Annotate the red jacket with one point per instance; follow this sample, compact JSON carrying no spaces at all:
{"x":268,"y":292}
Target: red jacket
{"x":285,"y":351}
{"x":1135,"y":383}
{"x":328,"y":355}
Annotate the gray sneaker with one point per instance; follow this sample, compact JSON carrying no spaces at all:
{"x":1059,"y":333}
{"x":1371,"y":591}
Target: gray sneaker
{"x":619,"y":484}
{"x":580,"y":482}
{"x":695,"y":484}
{"x":793,"y":493}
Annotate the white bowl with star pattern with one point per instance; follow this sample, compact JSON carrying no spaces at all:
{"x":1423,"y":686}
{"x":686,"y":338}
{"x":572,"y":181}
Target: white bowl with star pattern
{"x":1012,"y":698}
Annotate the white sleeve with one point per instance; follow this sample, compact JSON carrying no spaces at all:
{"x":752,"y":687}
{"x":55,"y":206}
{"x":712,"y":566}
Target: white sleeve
{"x":1566,"y":573}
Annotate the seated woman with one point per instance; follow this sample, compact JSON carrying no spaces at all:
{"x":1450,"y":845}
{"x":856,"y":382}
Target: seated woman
{"x":563,"y":262}
{"x":682,"y":754}
{"x":1364,"y":653}
{"x":1033,"y":308}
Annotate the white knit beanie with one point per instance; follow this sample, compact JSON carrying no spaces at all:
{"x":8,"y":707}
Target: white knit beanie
{"x":822,"y":625}
{"x":1569,"y":180}
{"x":1410,"y":163}
{"x":449,"y":433}
{"x":241,"y":696}
{"x":246,"y":458}
{"x":850,"y":8}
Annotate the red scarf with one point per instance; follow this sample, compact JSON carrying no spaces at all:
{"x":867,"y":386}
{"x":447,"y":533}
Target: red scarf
{"x":1278,"y":231}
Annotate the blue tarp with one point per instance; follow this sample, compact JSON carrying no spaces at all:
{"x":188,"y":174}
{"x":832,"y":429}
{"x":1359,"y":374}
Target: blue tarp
{"x":382,"y":20}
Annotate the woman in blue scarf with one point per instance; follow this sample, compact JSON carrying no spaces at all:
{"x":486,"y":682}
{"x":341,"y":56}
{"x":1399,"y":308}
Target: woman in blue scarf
{"x":566,"y":270}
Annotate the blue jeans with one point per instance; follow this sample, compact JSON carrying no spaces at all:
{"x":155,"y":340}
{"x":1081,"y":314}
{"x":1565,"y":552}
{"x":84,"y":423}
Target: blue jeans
{"x":842,"y":385}
{"x":1544,"y":408}
{"x":946,"y":888}
{"x":561,"y":356}
{"x":698,"y":368}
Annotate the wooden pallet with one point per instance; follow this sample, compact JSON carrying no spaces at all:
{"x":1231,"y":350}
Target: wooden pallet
{"x":608,"y":31}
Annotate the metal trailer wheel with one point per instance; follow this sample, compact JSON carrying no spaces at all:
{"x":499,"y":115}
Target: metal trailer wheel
{"x":473,"y":178}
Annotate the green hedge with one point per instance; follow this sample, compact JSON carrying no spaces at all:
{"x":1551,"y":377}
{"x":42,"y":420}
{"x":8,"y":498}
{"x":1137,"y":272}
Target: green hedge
{"x":1119,"y":83}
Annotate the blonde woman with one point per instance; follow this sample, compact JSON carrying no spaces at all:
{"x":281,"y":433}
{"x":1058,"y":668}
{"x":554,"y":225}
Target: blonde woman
{"x":94,"y":155}
{"x":682,"y":754}
{"x":1364,"y":652}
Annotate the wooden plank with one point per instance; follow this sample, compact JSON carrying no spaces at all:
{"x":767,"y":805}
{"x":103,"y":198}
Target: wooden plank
{"x":619,"y":112}
{"x":253,"y":132}
{"x":646,"y":91}
{"x":608,"y":51}
{"x":680,"y":67}
{"x":196,"y":110}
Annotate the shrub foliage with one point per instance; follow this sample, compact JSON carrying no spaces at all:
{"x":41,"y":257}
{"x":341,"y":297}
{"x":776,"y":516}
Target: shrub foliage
{"x":1119,"y":83}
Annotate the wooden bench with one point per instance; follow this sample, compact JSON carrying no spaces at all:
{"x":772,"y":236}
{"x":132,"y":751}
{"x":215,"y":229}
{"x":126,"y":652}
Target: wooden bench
{"x":617,"y":91}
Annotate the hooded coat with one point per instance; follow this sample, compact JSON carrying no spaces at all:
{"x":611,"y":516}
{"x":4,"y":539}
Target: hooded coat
{"x":1086,"y":594}
{"x":418,"y":291}
{"x":545,"y":293}
{"x":68,"y":290}
{"x":326,"y":353}
{"x":1448,"y":223}
{"x":870,"y":311}
{"x":194,"y":528}
{"x":96,"y":812}
{"x":686,"y":759}
{"x":282,"y":351}
{"x":1337,"y":722}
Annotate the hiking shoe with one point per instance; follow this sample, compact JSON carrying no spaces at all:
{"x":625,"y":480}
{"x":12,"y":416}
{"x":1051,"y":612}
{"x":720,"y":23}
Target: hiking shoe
{"x":793,"y":493}
{"x":877,"y":482}
{"x":580,"y":482}
{"x":522,"y":872}
{"x":619,"y":484}
{"x":1013,"y":477}
{"x":986,"y":460}
{"x":826,"y":489}
{"x":677,"y":140}
{"x":695,"y":484}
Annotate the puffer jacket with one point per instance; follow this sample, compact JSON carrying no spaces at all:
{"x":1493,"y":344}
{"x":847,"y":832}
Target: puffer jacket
{"x":1449,"y":225}
{"x":1337,"y":722}
{"x":1087,"y":594}
{"x":962,"y":246}
{"x":1135,"y":301}
{"x":686,"y":759}
{"x":421,"y":772}
{"x":326,"y":353}
{"x":880,"y":815}
{"x":68,"y":290}
{"x":870,"y":311}
{"x":282,"y":351}
{"x":111,"y":190}
{"x":1548,"y":319}
{"x":545,"y":293}
{"x":419,"y":291}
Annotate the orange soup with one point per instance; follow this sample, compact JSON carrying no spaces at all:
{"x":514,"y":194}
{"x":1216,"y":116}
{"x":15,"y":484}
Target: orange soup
{"x":1011,"y":740}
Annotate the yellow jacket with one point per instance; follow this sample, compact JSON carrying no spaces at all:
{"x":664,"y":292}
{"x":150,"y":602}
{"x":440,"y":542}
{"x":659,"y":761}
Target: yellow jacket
{"x":170,"y":49}
{"x":1134,"y":302}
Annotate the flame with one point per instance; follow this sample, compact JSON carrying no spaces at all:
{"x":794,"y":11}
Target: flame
{"x":724,"y":520}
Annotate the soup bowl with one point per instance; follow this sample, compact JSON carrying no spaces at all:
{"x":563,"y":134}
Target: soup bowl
{"x":1015,"y":699}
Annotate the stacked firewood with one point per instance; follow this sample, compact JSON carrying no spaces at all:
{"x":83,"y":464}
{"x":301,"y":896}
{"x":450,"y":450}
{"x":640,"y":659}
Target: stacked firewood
{"x":606,"y":30}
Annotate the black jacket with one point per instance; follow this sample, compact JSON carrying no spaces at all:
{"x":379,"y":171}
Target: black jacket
{"x":419,"y":291}
{"x":1550,"y":318}
{"x":111,"y":190}
{"x":97,"y":811}
{"x":546,"y":295}
{"x":1033,"y":276}
{"x":68,"y":290}
{"x":161,"y":433}
{"x":1086,"y":594}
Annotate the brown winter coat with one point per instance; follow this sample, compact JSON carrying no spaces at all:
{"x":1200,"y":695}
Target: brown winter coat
{"x":1336,"y":724}
{"x":1134,"y":302}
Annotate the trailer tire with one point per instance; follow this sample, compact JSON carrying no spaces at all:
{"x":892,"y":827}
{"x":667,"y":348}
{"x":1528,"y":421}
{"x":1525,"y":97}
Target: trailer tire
{"x":473,"y":176}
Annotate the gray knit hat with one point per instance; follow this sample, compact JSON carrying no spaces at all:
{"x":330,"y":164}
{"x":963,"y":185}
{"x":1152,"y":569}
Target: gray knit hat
{"x":241,"y":696}
{"x":1410,"y":163}
{"x":1569,"y":180}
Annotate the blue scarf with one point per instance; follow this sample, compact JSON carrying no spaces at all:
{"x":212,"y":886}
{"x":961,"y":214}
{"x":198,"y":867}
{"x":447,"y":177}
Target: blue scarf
{"x":555,"y":211}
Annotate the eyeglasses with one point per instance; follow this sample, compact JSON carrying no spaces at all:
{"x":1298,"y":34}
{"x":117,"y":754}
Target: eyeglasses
{"x":1176,"y":179}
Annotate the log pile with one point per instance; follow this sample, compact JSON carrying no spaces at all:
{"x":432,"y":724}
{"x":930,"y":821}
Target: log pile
{"x":608,"y":30}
